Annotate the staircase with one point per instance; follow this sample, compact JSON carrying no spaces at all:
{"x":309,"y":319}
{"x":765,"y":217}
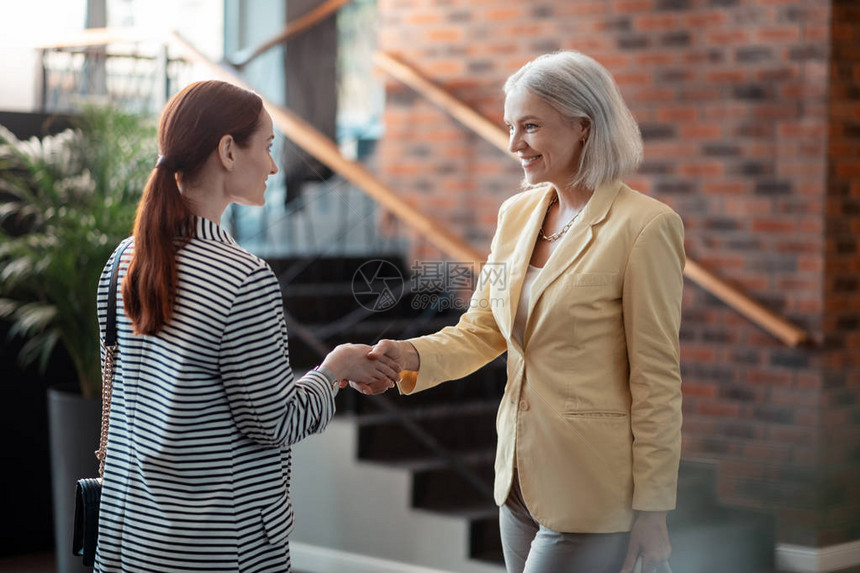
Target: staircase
{"x":460,"y":416}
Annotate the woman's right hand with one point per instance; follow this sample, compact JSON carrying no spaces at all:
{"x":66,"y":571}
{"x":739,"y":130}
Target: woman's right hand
{"x":355,"y":362}
{"x":400,"y":350}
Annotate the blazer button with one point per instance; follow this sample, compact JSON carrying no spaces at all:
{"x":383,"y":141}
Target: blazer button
{"x":524,"y":405}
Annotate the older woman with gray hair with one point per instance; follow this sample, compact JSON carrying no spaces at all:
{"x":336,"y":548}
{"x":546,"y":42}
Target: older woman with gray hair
{"x":589,"y":428}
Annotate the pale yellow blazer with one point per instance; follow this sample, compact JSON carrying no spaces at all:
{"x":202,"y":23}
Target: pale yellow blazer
{"x":592,"y":406}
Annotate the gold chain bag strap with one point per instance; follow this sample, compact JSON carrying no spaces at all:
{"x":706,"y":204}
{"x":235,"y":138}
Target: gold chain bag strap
{"x":107,"y":392}
{"x":88,"y":491}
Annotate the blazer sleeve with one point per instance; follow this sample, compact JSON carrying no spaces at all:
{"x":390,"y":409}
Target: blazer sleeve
{"x":653,"y":283}
{"x":267,"y":403}
{"x":457,"y":351}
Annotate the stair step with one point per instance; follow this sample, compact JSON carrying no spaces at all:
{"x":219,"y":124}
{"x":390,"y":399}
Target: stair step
{"x":310,"y":307}
{"x":485,"y":541}
{"x":343,"y":287}
{"x":466,"y":432}
{"x":316,"y":289}
{"x":323,"y":289}
{"x":381,"y":326}
{"x":471,"y":513}
{"x":444,"y":488}
{"x":426,"y":463}
{"x":327,"y":269}
{"x":431,"y":412}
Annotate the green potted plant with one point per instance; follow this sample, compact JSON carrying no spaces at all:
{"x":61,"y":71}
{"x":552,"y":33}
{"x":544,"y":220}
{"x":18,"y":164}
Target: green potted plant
{"x":66,"y":201}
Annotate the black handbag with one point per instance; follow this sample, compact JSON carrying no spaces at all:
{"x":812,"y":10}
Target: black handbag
{"x":88,"y":494}
{"x":88,"y":491}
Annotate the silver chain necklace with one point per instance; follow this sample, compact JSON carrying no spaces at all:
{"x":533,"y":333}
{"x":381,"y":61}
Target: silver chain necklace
{"x":558,"y":235}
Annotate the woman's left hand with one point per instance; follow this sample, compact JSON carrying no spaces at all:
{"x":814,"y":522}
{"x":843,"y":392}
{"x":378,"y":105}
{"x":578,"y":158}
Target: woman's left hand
{"x":351,"y":362}
{"x":649,"y":538}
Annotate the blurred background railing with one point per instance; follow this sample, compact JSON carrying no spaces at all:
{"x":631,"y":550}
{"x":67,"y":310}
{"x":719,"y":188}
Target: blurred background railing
{"x":76,"y":73}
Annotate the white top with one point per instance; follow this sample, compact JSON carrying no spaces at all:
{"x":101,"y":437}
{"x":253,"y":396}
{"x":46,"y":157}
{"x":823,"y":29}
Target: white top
{"x":523,"y":306}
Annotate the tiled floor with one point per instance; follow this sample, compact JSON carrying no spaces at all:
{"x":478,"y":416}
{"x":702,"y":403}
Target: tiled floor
{"x":43,"y":563}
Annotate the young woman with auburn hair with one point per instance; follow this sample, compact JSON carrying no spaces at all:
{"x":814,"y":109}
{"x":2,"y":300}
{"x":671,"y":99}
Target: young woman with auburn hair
{"x":205,"y":405}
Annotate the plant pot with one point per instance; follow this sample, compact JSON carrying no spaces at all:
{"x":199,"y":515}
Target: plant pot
{"x":26,"y":525}
{"x":74,"y":425}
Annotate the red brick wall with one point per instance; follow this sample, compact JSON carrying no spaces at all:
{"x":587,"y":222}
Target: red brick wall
{"x":733,"y":101}
{"x":840,"y":520}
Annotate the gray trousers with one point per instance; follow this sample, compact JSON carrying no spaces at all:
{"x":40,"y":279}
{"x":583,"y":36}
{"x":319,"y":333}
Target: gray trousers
{"x":529,"y":547}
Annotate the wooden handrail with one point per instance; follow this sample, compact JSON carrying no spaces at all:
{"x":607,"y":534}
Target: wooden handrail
{"x":459,"y":110}
{"x":325,"y":150}
{"x":779,"y":327}
{"x":782,"y":329}
{"x":292,"y":28}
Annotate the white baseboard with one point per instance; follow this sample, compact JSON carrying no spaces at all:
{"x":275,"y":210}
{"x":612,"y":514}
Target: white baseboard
{"x":800,"y":559}
{"x":313,"y":559}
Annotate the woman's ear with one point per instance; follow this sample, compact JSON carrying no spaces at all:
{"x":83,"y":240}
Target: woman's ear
{"x":227,"y":152}
{"x":585,"y":125}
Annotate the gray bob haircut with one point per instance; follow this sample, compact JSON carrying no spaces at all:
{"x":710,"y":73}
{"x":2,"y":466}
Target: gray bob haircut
{"x":578,"y":87}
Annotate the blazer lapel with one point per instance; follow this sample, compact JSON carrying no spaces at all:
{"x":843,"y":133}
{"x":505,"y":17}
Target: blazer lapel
{"x":575,"y":242}
{"x":522,"y":254}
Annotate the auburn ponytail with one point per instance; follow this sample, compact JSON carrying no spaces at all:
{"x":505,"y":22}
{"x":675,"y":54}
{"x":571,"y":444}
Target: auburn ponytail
{"x":192,"y":124}
{"x":149,"y":289}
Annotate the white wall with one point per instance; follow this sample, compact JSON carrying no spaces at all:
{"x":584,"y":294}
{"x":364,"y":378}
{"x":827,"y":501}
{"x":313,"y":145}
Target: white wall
{"x":199,"y":21}
{"x":25,"y":24}
{"x":354,"y":517}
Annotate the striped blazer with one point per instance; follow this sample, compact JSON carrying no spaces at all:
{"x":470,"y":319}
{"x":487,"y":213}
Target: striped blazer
{"x":203,"y":414}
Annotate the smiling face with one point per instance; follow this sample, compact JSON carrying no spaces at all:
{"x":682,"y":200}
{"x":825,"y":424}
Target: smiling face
{"x":254,"y":164}
{"x":547,"y":144}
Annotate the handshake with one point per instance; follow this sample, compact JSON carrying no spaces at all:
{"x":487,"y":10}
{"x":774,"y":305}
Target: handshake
{"x":371,"y":369}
